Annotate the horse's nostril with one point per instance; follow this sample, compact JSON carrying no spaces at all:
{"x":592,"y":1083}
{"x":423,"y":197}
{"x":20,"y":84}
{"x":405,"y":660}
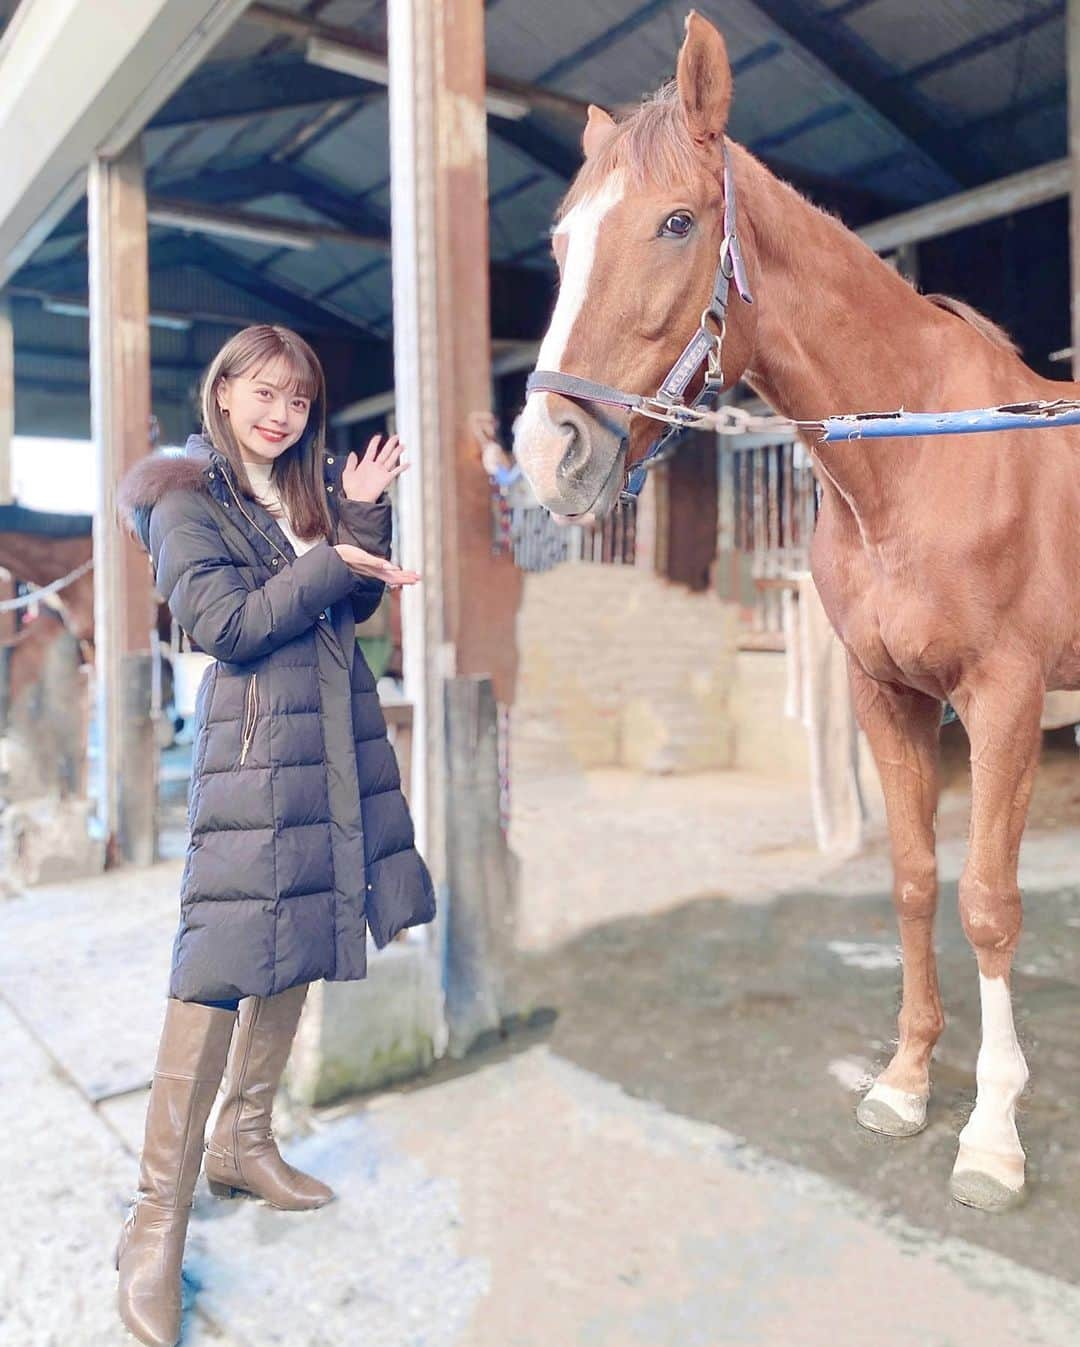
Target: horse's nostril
{"x":576,"y":454}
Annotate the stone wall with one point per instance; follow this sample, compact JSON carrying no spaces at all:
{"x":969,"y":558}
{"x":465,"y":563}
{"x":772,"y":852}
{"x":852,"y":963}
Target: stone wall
{"x":620,"y":668}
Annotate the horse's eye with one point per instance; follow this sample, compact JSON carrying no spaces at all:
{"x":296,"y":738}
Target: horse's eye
{"x":677,"y":225}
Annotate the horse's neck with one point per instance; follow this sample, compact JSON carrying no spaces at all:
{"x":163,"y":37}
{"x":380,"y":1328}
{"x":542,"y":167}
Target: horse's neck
{"x":77,"y":606}
{"x":838,"y":331}
{"x":40,"y":560}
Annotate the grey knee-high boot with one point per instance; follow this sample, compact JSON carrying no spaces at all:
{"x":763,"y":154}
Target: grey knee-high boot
{"x":191,"y":1058}
{"x":241,"y":1154}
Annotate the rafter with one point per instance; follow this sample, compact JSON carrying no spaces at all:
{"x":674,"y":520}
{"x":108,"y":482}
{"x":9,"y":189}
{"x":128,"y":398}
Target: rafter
{"x":1027,"y":23}
{"x":304,"y":28}
{"x":848,"y":60}
{"x":69,"y":277}
{"x":251,"y":88}
{"x":521,"y":296}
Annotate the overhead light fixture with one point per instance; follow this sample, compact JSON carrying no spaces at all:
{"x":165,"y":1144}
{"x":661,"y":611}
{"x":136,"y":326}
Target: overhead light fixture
{"x":347,"y":60}
{"x":229,"y":226}
{"x":73,"y":310}
{"x":368,"y":66}
{"x":506,"y":105}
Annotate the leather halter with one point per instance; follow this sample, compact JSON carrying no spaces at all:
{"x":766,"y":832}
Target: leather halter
{"x":704,"y":348}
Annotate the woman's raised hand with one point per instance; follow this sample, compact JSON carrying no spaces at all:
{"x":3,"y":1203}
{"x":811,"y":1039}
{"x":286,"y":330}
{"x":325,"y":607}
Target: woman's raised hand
{"x":368,"y":477}
{"x":375,"y":568}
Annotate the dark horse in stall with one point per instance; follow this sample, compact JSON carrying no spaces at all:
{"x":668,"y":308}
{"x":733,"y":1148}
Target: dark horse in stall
{"x":39,"y":547}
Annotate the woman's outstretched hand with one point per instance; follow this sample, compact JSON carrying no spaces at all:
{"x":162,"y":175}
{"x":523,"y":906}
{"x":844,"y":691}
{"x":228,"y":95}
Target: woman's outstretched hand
{"x":373,"y":567}
{"x":368,"y":477}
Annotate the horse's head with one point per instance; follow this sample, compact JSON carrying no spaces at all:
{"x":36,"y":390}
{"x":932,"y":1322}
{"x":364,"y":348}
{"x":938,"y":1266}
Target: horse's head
{"x":638,"y":241}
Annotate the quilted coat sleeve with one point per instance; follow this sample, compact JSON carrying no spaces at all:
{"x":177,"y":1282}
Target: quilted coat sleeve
{"x":365,"y":524}
{"x":197,"y":577}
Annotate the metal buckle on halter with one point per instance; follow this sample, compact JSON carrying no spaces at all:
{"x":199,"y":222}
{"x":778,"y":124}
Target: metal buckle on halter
{"x":726,"y":261}
{"x":675,"y":414}
{"x":716,"y":350}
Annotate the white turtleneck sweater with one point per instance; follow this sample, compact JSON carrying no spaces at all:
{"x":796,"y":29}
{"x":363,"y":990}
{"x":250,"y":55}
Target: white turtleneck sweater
{"x":268,"y":495}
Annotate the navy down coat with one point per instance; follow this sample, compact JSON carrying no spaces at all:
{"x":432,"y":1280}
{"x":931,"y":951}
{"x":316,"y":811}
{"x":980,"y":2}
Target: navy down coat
{"x":300,"y":838}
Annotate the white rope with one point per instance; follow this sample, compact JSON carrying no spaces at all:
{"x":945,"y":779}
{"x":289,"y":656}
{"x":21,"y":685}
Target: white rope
{"x":25,"y":600}
{"x":726,"y":420}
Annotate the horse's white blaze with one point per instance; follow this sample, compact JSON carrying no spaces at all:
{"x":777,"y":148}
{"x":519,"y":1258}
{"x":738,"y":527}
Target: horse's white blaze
{"x":989,"y":1143}
{"x":539,"y":443}
{"x":581,"y":228}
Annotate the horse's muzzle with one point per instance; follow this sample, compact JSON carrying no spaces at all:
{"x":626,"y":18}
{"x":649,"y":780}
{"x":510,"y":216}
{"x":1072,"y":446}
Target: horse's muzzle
{"x":566,"y":452}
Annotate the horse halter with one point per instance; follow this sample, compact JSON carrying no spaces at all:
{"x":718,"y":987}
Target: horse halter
{"x":705,"y":347}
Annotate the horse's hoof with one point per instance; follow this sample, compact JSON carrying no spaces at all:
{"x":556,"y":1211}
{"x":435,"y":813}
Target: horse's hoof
{"x":891,"y":1112}
{"x":975,"y":1189}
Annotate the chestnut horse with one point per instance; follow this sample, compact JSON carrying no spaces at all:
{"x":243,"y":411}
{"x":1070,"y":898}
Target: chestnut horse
{"x":950,"y":568}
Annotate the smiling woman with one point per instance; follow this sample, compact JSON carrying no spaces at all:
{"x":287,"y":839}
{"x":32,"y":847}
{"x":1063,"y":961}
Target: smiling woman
{"x":269,"y":548}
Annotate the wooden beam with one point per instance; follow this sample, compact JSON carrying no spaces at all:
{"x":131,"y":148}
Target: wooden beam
{"x":442,"y":371}
{"x":223,"y":90}
{"x":1072,"y":58}
{"x":517,"y":355}
{"x":8,"y":620}
{"x":7,"y":397}
{"x":373,"y":57}
{"x":253,"y":226}
{"x":459,"y":623}
{"x":124,"y":614}
{"x":1019,"y":191}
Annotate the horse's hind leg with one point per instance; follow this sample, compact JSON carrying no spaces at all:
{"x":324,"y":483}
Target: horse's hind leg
{"x":1001,"y":713}
{"x":902,"y":728}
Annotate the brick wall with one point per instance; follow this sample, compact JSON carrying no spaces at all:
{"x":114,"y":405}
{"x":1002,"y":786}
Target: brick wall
{"x":621,"y":668}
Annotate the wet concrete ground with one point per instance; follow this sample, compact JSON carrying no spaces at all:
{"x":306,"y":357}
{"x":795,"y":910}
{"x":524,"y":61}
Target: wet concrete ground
{"x":764,"y":1019}
{"x":767,"y":1007}
{"x":666,"y":1157}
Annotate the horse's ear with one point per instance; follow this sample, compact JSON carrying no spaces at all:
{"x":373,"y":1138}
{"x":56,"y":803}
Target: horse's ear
{"x":598,"y":131}
{"x":704,"y":80}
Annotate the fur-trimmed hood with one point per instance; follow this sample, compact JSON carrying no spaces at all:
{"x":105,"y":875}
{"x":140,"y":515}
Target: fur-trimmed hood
{"x":142,"y":486}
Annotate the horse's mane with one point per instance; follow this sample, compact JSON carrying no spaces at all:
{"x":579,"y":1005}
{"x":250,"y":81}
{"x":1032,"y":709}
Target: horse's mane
{"x":650,"y":144}
{"x":984,"y":326}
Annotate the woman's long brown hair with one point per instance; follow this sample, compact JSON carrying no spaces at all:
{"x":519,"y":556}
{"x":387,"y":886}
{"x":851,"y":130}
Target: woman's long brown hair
{"x":298,"y":473}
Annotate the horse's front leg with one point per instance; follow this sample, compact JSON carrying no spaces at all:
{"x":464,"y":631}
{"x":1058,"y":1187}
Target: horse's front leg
{"x":1001,"y":711}
{"x":903,"y":728}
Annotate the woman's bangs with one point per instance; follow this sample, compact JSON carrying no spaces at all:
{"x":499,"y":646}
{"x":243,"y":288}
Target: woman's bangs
{"x":288,"y":370}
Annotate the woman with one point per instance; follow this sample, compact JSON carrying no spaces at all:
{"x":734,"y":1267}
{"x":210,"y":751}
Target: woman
{"x":268,"y":548}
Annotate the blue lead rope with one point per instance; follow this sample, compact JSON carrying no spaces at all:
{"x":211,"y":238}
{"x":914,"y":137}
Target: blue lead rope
{"x":892,"y":425}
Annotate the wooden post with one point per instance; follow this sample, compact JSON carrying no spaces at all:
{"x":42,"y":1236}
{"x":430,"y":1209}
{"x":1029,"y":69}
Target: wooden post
{"x":120,"y":420}
{"x":1072,"y":58}
{"x":7,"y":397}
{"x":7,"y":434}
{"x":8,"y":621}
{"x":691,"y":514}
{"x":460,"y":620}
{"x":481,"y":869}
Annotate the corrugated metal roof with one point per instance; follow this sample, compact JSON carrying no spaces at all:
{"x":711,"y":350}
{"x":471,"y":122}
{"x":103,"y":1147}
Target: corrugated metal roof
{"x":989,"y":73}
{"x":356,"y":154}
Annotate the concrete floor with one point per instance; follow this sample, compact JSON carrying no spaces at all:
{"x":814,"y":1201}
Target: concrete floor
{"x":668,"y":1156}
